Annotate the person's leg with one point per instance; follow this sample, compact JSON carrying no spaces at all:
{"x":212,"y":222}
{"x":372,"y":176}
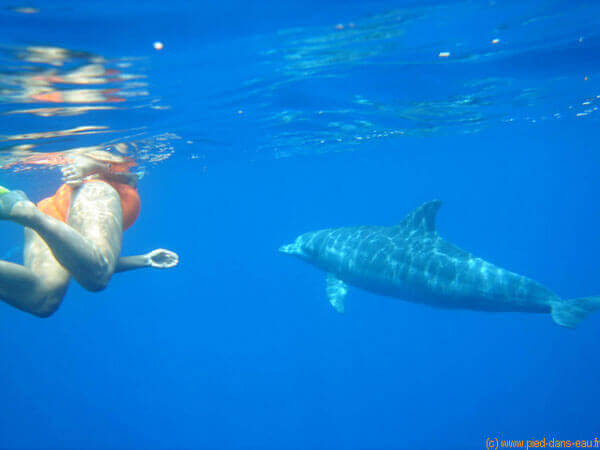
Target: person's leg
{"x":38,"y":287}
{"x":96,"y":214}
{"x":88,"y":246}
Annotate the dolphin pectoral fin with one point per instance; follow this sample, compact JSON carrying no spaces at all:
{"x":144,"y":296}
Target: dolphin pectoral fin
{"x":336,"y":292}
{"x":568,"y":313}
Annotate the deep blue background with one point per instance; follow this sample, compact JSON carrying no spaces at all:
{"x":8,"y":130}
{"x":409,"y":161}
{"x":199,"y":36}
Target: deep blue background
{"x":238,"y":347}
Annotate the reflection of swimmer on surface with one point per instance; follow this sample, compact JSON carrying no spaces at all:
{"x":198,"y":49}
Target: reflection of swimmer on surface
{"x":86,"y":129}
{"x":75,"y":233}
{"x":33,"y":89}
{"x":75,"y":96}
{"x":88,"y":74}
{"x":51,"y":85}
{"x":55,"y":56}
{"x":65,"y":111}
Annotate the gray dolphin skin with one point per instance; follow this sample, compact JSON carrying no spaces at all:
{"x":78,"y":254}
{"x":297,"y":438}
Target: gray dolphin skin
{"x":411,"y":262}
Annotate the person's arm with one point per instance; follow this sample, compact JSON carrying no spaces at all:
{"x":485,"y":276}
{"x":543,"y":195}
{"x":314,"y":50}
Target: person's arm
{"x":126,"y":263}
{"x":82,"y":167}
{"x":159,"y":259}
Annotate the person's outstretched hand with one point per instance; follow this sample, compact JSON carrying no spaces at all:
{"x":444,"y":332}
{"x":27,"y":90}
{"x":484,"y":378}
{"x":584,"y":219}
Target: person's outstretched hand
{"x":162,"y":259}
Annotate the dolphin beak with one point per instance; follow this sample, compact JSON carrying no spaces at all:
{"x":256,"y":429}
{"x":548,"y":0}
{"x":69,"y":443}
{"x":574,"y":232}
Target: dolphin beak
{"x":290,"y":249}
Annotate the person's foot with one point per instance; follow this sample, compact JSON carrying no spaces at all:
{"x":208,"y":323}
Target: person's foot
{"x":14,"y":205}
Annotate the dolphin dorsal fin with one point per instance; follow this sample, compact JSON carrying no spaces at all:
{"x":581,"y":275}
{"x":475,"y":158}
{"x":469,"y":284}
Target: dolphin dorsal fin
{"x":422,"y":218}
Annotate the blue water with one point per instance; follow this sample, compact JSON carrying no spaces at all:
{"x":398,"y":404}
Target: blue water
{"x":259,"y":121}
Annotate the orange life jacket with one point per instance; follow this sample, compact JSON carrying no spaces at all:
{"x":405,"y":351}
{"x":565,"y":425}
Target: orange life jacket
{"x":58,"y":205}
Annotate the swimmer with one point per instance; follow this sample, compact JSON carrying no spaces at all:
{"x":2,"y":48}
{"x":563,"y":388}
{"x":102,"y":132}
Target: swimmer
{"x":75,"y":233}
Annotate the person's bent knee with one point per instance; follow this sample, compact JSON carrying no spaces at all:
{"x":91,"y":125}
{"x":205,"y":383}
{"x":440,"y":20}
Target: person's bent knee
{"x":96,"y":278}
{"x":46,"y":307}
{"x":95,"y":285}
{"x":46,"y":298}
{"x":44,"y":313}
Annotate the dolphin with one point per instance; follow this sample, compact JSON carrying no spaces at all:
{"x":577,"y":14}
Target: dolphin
{"x":412,"y":262}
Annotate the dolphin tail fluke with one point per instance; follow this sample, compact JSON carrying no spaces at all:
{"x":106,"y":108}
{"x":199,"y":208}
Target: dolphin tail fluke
{"x":568,"y":313}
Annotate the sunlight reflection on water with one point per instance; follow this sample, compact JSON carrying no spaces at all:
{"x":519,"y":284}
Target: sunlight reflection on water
{"x":71,"y":98}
